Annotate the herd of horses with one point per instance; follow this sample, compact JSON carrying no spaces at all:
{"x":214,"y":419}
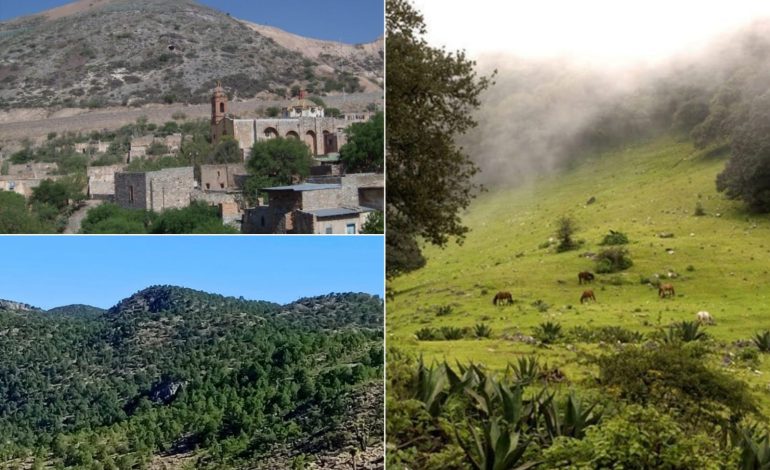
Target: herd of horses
{"x":505,"y":298}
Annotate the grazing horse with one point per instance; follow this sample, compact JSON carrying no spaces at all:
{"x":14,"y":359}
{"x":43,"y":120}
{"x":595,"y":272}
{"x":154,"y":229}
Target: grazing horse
{"x":585,"y":276}
{"x":587,"y":295}
{"x":704,"y":318}
{"x":502,"y":298}
{"x":666,"y":290}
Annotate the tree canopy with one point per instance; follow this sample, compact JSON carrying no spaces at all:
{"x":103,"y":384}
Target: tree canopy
{"x":363,"y":151}
{"x":275,"y":162}
{"x":747,"y":174}
{"x":431,"y":93}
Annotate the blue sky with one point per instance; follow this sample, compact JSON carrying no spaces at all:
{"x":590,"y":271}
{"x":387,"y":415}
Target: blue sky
{"x":60,"y":270}
{"x":351,"y":21}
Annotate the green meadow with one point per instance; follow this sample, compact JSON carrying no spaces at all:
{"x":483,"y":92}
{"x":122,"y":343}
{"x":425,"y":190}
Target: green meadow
{"x":718,"y":262}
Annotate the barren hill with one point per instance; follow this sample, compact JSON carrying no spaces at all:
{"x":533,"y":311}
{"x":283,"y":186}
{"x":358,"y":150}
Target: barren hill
{"x":93,"y":53}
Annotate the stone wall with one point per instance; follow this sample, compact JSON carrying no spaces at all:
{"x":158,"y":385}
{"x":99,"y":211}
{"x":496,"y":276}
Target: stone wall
{"x":213,"y":198}
{"x":306,"y":222}
{"x":321,"y":199}
{"x":23,"y":186}
{"x":263,"y":220}
{"x":170,"y":188}
{"x":131,"y":190}
{"x":101,"y":181}
{"x":308,"y":129}
{"x":351,"y":183}
{"x":32,"y":170}
{"x":372,"y":197}
{"x":221,"y":177}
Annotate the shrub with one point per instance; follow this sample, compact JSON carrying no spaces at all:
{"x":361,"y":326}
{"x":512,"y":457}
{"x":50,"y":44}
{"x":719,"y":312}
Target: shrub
{"x":540,"y":305}
{"x":672,"y":378}
{"x":685,"y":331}
{"x":526,"y":370}
{"x":612,"y":260}
{"x":762,"y":341}
{"x":614,"y":238}
{"x":548,"y":332}
{"x":699,"y":211}
{"x":482,"y":330}
{"x":452,"y":333}
{"x":427,"y":334}
{"x":443,"y":310}
{"x":565,"y":231}
{"x":608,"y":334}
{"x":637,"y":438}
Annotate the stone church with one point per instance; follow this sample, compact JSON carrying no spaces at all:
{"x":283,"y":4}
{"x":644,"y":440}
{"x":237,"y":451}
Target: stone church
{"x":302,"y":119}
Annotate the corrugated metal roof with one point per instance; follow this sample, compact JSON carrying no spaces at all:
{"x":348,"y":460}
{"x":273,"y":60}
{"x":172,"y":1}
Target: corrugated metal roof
{"x":304,"y":187}
{"x":338,"y":211}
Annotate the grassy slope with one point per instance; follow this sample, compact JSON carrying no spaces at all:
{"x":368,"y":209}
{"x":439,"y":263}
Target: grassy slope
{"x":642,"y":190}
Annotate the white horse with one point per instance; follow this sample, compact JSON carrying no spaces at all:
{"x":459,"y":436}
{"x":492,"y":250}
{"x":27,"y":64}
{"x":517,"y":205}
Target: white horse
{"x":704,"y":318}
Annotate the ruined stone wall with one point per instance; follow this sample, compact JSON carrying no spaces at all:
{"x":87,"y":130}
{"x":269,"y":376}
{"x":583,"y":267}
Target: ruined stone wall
{"x":32,"y":170}
{"x":351,"y":183}
{"x":304,"y":222}
{"x":23,"y":186}
{"x":221,"y":177}
{"x":214,"y":198}
{"x":170,"y":188}
{"x":231,"y":214}
{"x":372,"y":197}
{"x":308,"y":129}
{"x":101,"y":181}
{"x":285,"y":201}
{"x":321,"y":199}
{"x":263,"y":220}
{"x":131,"y":190}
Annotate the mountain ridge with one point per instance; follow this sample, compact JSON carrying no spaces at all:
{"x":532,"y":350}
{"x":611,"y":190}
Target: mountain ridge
{"x":119,"y":52}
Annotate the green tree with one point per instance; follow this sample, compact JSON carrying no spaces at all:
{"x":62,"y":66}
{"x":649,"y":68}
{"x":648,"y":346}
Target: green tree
{"x":375,"y":223}
{"x":51,"y":192}
{"x":16,"y":218}
{"x":431,"y":96}
{"x":747,"y":173}
{"x":363,"y":151}
{"x":276,"y":161}
{"x":226,"y":151}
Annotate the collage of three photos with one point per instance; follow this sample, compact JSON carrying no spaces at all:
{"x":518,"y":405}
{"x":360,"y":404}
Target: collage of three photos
{"x":384,"y":234}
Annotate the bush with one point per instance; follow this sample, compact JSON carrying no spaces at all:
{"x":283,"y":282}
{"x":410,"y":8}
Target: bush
{"x":608,"y":334}
{"x":612,"y":260}
{"x":548,"y":332}
{"x":762,"y":341}
{"x":637,"y":438}
{"x":673,"y":379}
{"x":427,"y":334}
{"x":565,"y":231}
{"x":614,"y":238}
{"x":443,"y":310}
{"x":452,"y":333}
{"x":482,"y":330}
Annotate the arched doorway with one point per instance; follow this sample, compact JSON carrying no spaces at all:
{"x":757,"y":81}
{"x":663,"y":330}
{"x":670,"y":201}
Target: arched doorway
{"x":270,"y":133}
{"x":292,"y":135}
{"x":311,"y":142}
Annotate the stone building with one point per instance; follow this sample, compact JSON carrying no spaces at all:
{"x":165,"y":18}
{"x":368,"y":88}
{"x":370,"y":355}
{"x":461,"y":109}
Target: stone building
{"x":329,"y":205}
{"x":92,"y":148}
{"x":101,"y":181}
{"x":139,"y":146}
{"x":155,"y":190}
{"x":222,"y":177}
{"x":302,"y":120}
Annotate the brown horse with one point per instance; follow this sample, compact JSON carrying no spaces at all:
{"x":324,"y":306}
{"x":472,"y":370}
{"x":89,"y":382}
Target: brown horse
{"x":585,"y":276}
{"x":503,"y":298}
{"x":666,"y":290}
{"x":587,"y":295}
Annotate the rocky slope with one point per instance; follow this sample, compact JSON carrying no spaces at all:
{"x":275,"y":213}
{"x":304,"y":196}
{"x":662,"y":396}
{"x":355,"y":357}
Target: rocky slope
{"x":93,"y":53}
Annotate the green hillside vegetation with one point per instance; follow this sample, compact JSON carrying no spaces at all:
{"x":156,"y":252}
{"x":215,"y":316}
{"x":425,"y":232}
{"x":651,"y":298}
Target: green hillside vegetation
{"x":661,"y":195}
{"x":223,"y":381}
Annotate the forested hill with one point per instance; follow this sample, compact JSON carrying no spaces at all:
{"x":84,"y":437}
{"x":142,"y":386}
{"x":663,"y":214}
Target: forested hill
{"x":171,"y":375}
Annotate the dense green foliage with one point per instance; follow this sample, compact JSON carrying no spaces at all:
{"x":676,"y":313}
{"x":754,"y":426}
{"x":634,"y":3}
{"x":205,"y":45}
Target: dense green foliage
{"x":170,"y":369}
{"x":16,"y":217}
{"x":429,"y":177}
{"x":375,"y":223}
{"x":276,"y":162}
{"x":196,"y":218}
{"x":363,"y":152}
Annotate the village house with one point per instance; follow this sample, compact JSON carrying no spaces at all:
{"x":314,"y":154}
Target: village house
{"x":155,"y":190}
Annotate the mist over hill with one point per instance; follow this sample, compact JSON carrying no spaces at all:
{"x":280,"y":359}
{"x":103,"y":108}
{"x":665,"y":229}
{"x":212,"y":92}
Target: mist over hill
{"x":170,"y":376}
{"x":94,"y":53}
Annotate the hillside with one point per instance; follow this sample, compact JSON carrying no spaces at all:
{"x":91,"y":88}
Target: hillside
{"x":717,"y":262}
{"x":172,"y":375}
{"x":125,"y":52}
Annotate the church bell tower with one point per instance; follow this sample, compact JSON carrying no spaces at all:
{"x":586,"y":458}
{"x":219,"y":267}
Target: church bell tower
{"x":218,"y":112}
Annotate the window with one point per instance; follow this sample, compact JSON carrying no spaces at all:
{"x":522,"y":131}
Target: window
{"x":208,"y":186}
{"x":329,"y":228}
{"x":351,"y":229}
{"x":222,"y":185}
{"x":221,"y":107}
{"x":130,"y":194}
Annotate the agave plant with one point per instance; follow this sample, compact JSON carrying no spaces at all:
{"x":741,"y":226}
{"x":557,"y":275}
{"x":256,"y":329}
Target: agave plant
{"x":685,"y":331}
{"x":526,"y":370}
{"x":426,"y":334}
{"x":755,"y":449}
{"x":572,"y":422}
{"x":497,"y":447}
{"x":548,"y":332}
{"x":430,"y":385}
{"x":482,"y":330}
{"x":762,"y":340}
{"x":452,"y":332}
